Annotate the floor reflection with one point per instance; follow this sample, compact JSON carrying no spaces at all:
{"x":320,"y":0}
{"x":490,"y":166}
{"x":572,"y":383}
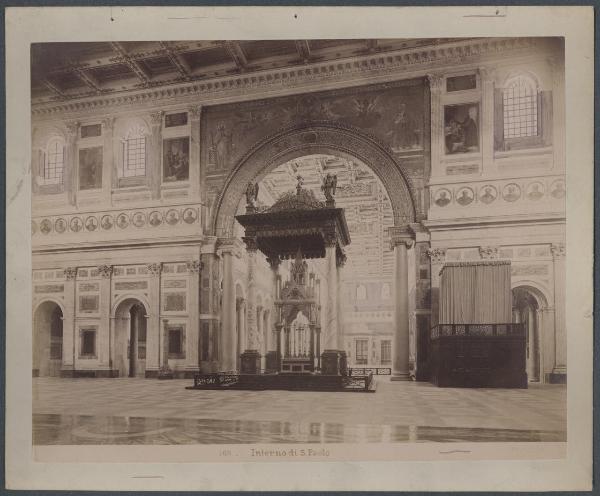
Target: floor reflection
{"x":51,"y":429}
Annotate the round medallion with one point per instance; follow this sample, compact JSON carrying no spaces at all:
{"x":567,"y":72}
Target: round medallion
{"x":464,"y":196}
{"x":122,"y":220}
{"x":139,"y":219}
{"x":442,"y":197}
{"x":91,"y":223}
{"x":511,"y":192}
{"x":60,"y":226}
{"x":106,"y":222}
{"x":488,"y":194}
{"x":45,"y":226}
{"x":155,"y":219}
{"x":76,"y":224}
{"x":557,"y":189}
{"x":190,"y":215}
{"x":172,"y":217}
{"x":535,"y":191}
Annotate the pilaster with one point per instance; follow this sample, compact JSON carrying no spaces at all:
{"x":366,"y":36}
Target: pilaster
{"x":153,"y":331}
{"x":69,"y":340}
{"x":196,"y":178}
{"x":436,"y":82}
{"x":103,"y":344}
{"x":109,"y":174}
{"x":487,"y":78}
{"x":71,"y":162}
{"x":192,"y":353}
{"x":155,"y":158}
{"x":558,"y":255}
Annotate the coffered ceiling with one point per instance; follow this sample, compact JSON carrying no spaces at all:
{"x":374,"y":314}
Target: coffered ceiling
{"x":67,"y":71}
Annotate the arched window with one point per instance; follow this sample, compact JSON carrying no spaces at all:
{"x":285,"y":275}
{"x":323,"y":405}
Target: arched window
{"x":520,"y":108}
{"x":134,"y":154}
{"x":361,"y":292}
{"x":54,"y":161}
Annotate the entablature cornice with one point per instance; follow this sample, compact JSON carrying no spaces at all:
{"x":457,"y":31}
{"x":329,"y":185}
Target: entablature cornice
{"x":417,"y":62}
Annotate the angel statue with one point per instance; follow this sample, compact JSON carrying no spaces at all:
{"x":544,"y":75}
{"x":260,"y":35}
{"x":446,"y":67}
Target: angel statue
{"x":251,"y":195}
{"x":329,"y":186}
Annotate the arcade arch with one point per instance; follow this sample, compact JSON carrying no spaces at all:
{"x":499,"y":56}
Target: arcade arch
{"x":47,"y":339}
{"x":130,"y":337}
{"x":528,"y":304}
{"x":349,"y":144}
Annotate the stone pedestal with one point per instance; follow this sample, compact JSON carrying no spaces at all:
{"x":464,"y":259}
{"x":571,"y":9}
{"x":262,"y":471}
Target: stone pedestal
{"x":334,"y":362}
{"x":250,"y":362}
{"x":272,"y":362}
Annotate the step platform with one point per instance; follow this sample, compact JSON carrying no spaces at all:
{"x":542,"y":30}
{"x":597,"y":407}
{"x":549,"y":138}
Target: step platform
{"x":285,"y":381}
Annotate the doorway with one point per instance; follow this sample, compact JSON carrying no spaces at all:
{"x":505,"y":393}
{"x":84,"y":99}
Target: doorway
{"x":48,"y":340}
{"x":130,"y":339}
{"x":525,"y":311}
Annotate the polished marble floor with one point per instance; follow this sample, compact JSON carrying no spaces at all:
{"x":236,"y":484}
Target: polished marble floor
{"x":139,"y":411}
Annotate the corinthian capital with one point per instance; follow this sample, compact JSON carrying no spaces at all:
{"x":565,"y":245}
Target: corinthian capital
{"x":195,"y":112}
{"x":487,"y":73}
{"x":156,"y":117}
{"x":72,"y":128}
{"x":70,"y":273}
{"x":488,"y":252}
{"x":558,"y":250}
{"x":437,"y":255}
{"x":436,"y":81}
{"x":194,"y":266}
{"x":154,"y":268}
{"x":105,"y":270}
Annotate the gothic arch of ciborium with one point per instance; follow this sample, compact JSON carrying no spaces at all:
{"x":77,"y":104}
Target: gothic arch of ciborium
{"x":315,"y":138}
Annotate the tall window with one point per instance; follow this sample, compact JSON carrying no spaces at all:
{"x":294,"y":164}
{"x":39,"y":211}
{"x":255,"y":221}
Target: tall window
{"x":54,"y":162}
{"x":362,"y":351}
{"x":520,"y":109}
{"x":134,"y":154}
{"x":386,"y":352}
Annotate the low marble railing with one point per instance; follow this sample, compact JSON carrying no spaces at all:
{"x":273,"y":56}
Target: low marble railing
{"x":482,"y":330}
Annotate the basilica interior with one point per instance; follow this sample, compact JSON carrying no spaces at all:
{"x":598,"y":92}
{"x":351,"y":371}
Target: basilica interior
{"x":444,"y":151}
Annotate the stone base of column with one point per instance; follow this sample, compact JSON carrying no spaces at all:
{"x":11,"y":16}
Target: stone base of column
{"x":400,"y":376}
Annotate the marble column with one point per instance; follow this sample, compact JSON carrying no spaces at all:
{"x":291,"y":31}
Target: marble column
{"x":228,"y":318}
{"x":69,"y":330}
{"x":341,"y":260}
{"x":192,"y":355}
{"x":105,"y":329}
{"x":401,"y":242}
{"x":71,"y":162}
{"x":153,"y":329}
{"x":560,"y":346}
{"x":210,"y":303}
{"x":154,"y":160}
{"x":165,"y":345}
{"x":331,"y":319}
{"x":251,"y":342}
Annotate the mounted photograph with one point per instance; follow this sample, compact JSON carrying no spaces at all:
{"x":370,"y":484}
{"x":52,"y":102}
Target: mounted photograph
{"x":299,"y":249}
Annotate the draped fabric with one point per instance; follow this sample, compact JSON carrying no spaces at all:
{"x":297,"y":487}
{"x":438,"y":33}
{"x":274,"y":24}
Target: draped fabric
{"x":475,"y":292}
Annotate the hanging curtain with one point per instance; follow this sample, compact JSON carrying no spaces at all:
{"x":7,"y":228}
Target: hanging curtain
{"x":475,"y":292}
